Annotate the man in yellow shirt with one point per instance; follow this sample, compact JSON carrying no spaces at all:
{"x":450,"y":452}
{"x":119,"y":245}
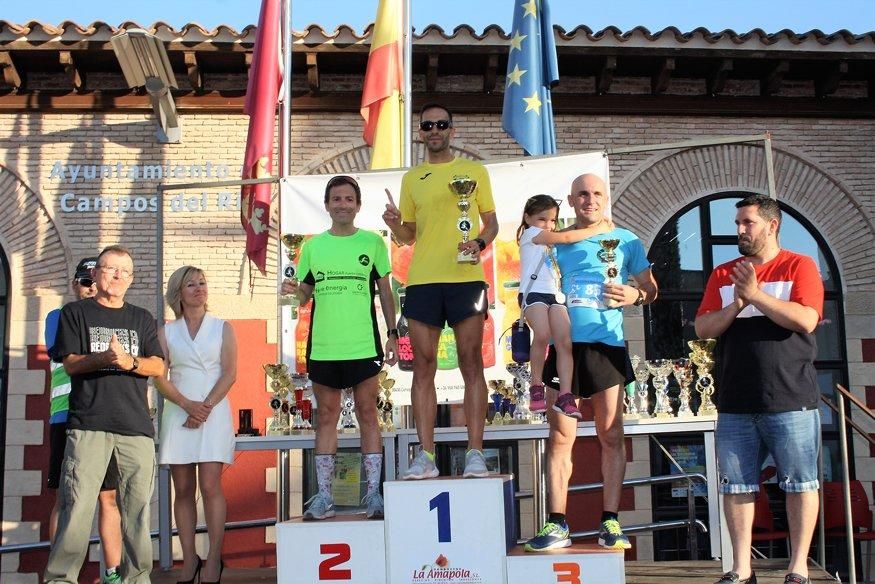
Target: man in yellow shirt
{"x":442,"y":289}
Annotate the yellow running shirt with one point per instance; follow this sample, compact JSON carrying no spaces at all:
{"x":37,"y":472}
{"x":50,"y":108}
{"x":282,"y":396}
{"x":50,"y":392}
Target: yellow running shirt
{"x":427,"y":200}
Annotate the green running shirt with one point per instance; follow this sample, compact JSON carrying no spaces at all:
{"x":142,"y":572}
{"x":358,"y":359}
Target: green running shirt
{"x":343,"y":271}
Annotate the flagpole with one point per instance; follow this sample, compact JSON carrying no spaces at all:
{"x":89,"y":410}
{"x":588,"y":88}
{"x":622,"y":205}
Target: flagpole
{"x":408,"y":85}
{"x":283,"y":502}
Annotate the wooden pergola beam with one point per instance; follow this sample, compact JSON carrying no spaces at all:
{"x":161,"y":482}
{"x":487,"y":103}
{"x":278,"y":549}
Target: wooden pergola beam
{"x":313,"y":72}
{"x":660,"y":80}
{"x":771,"y":83}
{"x":11,"y":76}
{"x":606,"y":76}
{"x":828,"y":83}
{"x":193,"y":71}
{"x":716,"y":80}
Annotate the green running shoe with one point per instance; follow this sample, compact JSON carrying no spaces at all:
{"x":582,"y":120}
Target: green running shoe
{"x":611,"y":536}
{"x":551,"y":537}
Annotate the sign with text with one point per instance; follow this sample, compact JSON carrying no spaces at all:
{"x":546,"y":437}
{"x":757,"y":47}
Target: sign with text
{"x":513,"y":182}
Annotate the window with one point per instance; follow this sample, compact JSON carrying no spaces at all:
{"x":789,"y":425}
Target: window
{"x":702,"y":236}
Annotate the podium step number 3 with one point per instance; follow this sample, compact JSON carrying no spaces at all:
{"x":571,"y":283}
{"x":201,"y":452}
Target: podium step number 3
{"x":449,"y":530}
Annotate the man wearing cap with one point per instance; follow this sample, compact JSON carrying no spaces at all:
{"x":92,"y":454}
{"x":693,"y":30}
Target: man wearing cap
{"x":109,"y":349}
{"x":108,"y":522}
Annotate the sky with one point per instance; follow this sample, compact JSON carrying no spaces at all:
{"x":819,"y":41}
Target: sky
{"x":857,"y":16}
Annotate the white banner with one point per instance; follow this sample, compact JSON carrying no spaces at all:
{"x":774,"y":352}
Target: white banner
{"x":513,"y":182}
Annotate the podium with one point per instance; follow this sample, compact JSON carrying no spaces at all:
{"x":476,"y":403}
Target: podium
{"x":345,"y":548}
{"x":449,"y":529}
{"x":578,"y":564}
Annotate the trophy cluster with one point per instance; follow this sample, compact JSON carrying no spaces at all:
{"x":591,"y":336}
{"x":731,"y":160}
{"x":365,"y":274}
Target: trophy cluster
{"x":385,"y":407}
{"x":658,"y":371}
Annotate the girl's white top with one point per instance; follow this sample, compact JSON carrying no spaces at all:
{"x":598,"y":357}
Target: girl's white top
{"x":530,"y":256}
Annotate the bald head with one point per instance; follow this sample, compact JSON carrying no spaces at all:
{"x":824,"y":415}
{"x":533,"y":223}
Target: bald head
{"x":589,"y":199}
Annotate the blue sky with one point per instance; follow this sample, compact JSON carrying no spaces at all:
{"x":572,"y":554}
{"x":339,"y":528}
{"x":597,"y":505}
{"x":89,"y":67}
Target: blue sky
{"x":858,"y":16}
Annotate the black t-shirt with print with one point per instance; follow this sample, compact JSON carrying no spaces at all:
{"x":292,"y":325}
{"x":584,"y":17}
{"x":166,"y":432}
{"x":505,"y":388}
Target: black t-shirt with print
{"x":108,"y":400}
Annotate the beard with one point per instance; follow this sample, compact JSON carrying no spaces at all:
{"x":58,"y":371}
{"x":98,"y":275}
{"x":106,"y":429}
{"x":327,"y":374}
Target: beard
{"x":750,"y":247}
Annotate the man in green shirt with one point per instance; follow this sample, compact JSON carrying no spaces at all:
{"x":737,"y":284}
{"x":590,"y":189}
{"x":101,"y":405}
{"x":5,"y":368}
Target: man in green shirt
{"x":342,"y":270}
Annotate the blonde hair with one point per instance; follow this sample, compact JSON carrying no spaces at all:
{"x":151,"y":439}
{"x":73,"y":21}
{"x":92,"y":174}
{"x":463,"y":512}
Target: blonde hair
{"x":177,"y":280}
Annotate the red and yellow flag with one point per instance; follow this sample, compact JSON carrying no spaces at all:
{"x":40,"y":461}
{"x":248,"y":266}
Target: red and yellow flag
{"x":262,"y":95}
{"x":382,"y":108}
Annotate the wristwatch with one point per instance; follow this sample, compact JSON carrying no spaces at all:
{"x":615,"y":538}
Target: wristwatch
{"x":391,"y":332}
{"x":480,"y":242}
{"x":135,"y":365}
{"x":640,"y":300}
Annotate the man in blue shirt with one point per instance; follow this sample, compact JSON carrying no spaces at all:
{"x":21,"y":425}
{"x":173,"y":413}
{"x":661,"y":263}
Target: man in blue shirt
{"x":601,"y":364}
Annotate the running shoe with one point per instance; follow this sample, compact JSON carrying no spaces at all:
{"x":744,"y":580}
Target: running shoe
{"x":551,"y":537}
{"x":611,"y":536}
{"x":566,"y":404}
{"x":537,"y":401}
{"x":475,"y":465}
{"x":733,"y":578}
{"x":321,"y":507}
{"x":422,"y":467}
{"x":374,"y":501}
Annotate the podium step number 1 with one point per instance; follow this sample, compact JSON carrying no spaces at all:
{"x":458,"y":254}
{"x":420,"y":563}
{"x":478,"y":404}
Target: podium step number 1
{"x":449,"y":530}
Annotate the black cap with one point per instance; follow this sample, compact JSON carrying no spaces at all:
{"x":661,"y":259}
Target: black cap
{"x":83,"y":270}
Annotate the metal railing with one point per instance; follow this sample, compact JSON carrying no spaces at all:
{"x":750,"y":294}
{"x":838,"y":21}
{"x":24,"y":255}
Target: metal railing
{"x":843,"y":421}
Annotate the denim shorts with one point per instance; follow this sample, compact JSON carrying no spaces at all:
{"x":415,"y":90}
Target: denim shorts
{"x":745,"y":440}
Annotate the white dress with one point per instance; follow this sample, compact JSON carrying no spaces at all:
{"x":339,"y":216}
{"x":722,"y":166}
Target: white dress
{"x":195,"y":366}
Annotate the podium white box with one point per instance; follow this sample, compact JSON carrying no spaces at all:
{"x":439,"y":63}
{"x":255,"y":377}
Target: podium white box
{"x":449,"y":529}
{"x":346,"y":548}
{"x":578,"y":564}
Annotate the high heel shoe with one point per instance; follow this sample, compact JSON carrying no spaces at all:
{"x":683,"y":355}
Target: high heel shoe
{"x":197,"y":573}
{"x":221,"y":569}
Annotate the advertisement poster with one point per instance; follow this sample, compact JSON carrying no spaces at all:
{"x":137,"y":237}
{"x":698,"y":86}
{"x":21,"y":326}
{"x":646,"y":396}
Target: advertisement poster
{"x":513,"y":182}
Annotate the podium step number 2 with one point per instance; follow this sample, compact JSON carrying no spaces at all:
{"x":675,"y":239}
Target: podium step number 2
{"x":449,"y":530}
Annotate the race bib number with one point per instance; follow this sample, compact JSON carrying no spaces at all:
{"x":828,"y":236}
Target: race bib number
{"x":584,"y":291}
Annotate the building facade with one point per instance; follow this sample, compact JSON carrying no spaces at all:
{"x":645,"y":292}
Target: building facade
{"x":79,"y":168}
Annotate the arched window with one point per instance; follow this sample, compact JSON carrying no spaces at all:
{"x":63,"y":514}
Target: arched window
{"x":701,"y":236}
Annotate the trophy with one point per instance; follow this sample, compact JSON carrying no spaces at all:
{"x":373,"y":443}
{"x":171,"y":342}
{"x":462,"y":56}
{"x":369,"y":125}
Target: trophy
{"x":463,"y":187}
{"x":608,"y":255}
{"x":497,"y":396}
{"x":521,"y":379}
{"x":683,"y":372}
{"x":631,"y":412}
{"x":293,"y":243}
{"x":641,"y":376}
{"x":384,"y":401}
{"x":280,"y":381}
{"x":703,"y":357}
{"x":347,"y":406}
{"x":660,"y":369}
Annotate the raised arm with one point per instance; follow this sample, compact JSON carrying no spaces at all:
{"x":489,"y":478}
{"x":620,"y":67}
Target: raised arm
{"x":572,"y":235}
{"x":404,"y":232}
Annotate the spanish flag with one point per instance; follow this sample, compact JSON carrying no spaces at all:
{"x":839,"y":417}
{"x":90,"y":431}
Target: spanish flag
{"x":381,"y":107}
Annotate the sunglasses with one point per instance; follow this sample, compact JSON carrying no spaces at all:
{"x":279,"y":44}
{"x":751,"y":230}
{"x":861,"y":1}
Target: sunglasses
{"x":85,"y":282}
{"x":427,"y":125}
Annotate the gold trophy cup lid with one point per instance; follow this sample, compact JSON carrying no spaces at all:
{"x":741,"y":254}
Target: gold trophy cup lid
{"x":463,"y":185}
{"x":702,"y":345}
{"x":609,"y":244}
{"x":292,"y":240}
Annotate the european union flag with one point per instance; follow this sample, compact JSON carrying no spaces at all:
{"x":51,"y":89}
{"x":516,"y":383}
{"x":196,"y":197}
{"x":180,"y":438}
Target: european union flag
{"x":532,"y":69}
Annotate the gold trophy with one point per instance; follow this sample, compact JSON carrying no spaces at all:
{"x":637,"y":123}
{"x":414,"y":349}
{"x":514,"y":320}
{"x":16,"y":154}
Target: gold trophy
{"x":384,"y":402}
{"x":280,"y":381}
{"x":703,"y":356}
{"x":498,"y":392}
{"x":463,"y":187}
{"x":642,"y":374}
{"x":608,"y":255}
{"x":683,"y":372}
{"x":293,"y":243}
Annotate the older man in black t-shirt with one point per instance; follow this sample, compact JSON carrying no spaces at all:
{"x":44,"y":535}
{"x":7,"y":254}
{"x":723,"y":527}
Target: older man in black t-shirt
{"x":109,"y":348}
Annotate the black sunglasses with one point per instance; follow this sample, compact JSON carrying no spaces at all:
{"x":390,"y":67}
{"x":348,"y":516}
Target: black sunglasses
{"x":427,"y":125}
{"x":85,"y":282}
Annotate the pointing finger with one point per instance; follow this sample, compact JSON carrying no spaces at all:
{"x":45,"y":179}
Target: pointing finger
{"x":391,"y":200}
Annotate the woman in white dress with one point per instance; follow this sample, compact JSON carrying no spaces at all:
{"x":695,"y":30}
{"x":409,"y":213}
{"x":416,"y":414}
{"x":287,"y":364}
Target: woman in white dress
{"x":197,"y":436}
